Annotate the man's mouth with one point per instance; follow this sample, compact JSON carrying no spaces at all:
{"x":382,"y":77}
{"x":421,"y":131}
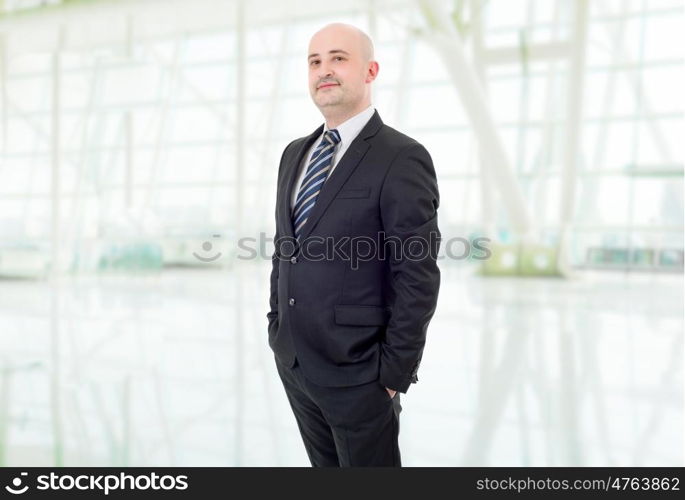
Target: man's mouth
{"x":327,"y":85}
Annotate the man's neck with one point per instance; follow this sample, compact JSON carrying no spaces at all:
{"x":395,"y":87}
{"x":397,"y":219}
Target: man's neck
{"x":334,"y":119}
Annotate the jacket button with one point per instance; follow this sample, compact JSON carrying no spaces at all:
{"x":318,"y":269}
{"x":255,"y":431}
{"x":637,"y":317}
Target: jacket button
{"x":293,"y":260}
{"x":291,"y":301}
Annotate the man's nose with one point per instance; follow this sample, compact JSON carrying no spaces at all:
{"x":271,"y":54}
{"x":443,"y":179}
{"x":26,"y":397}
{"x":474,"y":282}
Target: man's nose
{"x":325,"y":71}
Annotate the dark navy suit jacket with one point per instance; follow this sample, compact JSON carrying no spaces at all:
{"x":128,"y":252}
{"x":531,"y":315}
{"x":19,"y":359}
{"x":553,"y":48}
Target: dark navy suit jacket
{"x":352,"y":311}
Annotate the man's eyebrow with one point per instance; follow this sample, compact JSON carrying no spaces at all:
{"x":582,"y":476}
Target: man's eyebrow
{"x":334,"y":51}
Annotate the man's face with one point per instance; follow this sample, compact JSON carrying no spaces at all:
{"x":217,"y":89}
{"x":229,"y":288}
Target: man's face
{"x":337,"y":71}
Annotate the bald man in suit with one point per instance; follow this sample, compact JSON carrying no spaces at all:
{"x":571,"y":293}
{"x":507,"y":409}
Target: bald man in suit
{"x":351,"y":296}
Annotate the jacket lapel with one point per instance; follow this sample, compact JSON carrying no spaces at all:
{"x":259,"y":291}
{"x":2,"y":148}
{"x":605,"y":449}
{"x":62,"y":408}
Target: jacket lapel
{"x":344,"y":168}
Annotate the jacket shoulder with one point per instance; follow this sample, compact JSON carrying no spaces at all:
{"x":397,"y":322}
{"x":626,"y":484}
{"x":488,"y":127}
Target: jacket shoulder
{"x":292,"y":146}
{"x":393,"y":138}
{"x":294,"y":143}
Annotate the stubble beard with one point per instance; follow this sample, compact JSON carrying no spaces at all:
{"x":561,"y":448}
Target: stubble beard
{"x":326,"y":101}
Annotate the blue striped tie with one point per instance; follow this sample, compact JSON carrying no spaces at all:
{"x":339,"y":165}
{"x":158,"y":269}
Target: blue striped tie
{"x":317,"y":171}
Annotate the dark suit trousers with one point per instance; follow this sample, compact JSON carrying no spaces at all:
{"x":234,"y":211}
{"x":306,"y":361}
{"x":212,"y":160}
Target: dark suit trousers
{"x":355,"y":426}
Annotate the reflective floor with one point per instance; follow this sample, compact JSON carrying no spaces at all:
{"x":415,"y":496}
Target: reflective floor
{"x":174,"y":369}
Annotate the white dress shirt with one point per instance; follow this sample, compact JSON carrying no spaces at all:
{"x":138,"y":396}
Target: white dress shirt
{"x":348,"y":131}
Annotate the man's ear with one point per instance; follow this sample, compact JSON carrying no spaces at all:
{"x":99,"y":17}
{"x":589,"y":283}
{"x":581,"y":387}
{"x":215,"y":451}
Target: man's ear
{"x":372,"y":71}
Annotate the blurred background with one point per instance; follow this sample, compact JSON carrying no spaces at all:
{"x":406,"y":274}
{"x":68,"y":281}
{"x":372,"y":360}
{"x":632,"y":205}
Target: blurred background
{"x":140,"y":140}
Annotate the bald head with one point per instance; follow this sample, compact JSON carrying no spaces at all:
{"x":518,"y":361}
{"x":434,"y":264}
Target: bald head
{"x":357,"y":37}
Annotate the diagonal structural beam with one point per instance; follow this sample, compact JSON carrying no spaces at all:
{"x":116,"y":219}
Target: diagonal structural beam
{"x":445,"y":39}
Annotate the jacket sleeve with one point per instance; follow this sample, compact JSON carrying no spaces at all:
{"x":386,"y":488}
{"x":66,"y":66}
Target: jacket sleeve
{"x":272,"y":315}
{"x":409,"y":201}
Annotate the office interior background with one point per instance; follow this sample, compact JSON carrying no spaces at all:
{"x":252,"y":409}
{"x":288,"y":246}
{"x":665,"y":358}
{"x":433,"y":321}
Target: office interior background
{"x":140,"y":143}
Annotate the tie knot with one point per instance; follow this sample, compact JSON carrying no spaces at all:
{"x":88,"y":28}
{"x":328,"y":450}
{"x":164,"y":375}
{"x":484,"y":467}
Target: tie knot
{"x":333,"y":136}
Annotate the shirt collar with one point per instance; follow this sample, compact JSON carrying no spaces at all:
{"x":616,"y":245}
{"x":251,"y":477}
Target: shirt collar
{"x":350,"y":128}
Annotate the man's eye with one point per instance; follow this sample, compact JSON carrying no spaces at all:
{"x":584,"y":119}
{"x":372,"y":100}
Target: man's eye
{"x":313,"y":62}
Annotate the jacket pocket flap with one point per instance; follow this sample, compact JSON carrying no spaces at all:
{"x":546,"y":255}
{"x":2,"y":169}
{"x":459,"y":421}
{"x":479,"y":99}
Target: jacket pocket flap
{"x":362,"y":315}
{"x":354,"y":193}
